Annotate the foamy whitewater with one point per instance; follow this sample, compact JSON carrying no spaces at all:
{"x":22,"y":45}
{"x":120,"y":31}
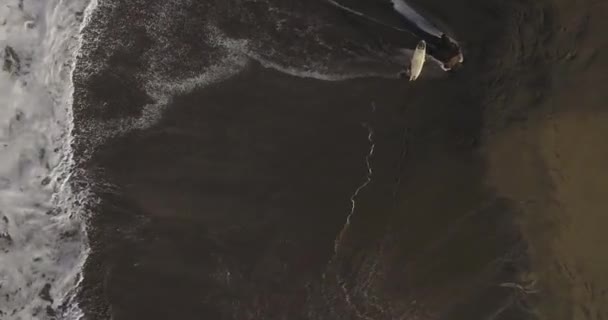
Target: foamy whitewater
{"x":409,"y":13}
{"x":42,"y":239}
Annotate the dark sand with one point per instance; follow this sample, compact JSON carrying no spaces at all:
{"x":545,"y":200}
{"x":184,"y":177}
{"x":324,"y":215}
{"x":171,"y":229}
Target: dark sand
{"x":561,"y":159}
{"x":229,"y":207}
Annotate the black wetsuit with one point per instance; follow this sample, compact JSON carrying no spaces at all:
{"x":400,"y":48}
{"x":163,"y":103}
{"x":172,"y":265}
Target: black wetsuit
{"x":441,"y":48}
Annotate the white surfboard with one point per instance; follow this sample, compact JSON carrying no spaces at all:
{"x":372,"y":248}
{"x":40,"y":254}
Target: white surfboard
{"x":417,"y":61}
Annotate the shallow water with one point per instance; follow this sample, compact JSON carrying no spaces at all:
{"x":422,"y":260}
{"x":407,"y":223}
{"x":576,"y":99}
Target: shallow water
{"x":237,"y":178}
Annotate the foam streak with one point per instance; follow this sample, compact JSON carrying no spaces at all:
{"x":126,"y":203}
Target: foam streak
{"x":368,"y":179}
{"x":410,"y":14}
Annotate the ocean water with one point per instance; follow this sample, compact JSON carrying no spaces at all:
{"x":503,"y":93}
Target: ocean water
{"x":240,"y":143}
{"x":42,"y":238}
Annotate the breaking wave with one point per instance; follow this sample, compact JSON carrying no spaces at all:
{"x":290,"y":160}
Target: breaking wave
{"x":42,"y":237}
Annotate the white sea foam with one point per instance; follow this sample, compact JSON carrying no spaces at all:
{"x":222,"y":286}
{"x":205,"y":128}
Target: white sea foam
{"x":230,"y":57}
{"x":403,"y":9}
{"x":162,"y":90}
{"x":318,"y":72}
{"x":364,"y":16}
{"x":159,"y":83}
{"x":248,"y":49}
{"x":42,"y":241}
{"x":409,"y":13}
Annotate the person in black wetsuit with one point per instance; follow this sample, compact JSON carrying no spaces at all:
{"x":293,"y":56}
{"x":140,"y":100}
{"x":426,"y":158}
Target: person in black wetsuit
{"x":446,"y":51}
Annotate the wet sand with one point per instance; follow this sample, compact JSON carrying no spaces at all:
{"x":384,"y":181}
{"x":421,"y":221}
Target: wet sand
{"x":559,"y":160}
{"x":230,"y":206}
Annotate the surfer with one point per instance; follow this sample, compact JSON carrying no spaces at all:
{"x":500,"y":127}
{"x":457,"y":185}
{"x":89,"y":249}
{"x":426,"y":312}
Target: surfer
{"x":448,"y":52}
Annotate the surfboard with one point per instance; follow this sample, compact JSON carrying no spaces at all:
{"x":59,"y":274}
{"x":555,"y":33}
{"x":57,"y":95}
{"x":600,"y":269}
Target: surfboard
{"x":417,"y":61}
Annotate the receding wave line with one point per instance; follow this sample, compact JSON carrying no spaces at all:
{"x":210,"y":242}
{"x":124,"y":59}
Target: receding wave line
{"x":410,"y":14}
{"x":314,"y":74}
{"x":362,"y":15}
